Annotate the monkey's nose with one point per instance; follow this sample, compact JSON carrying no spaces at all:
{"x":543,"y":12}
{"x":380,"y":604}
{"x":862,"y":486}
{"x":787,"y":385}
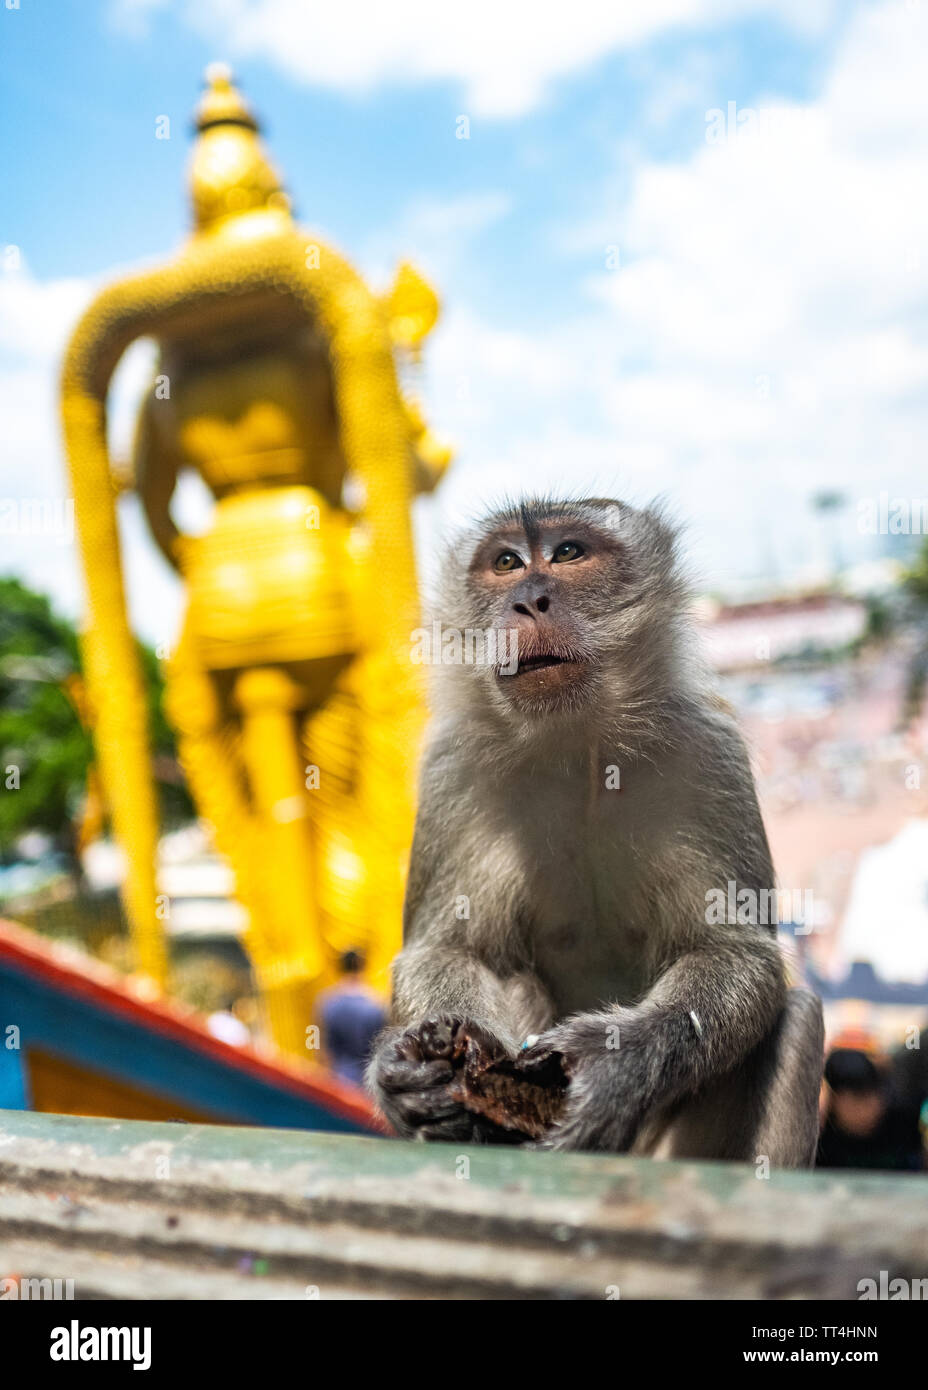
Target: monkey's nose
{"x":529,"y":608}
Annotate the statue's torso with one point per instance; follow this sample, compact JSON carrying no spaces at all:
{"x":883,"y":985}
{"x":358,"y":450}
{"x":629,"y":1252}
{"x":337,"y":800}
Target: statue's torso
{"x":271,"y":579}
{"x":258,"y":420}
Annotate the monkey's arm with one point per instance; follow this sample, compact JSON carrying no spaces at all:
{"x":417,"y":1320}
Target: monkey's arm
{"x":443,"y":992}
{"x":460,"y":966}
{"x":701,"y":1018}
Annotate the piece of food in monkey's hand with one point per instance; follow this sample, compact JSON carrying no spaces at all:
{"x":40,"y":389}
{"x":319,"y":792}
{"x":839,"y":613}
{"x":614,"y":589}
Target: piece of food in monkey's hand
{"x":521,"y":1098}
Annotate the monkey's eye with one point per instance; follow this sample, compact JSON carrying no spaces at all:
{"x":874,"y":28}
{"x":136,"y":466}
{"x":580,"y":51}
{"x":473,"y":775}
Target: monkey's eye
{"x":567,"y":550}
{"x":509,"y":560}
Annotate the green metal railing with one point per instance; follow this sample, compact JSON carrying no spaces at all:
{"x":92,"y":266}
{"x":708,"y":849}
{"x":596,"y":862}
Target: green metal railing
{"x":127,"y":1209}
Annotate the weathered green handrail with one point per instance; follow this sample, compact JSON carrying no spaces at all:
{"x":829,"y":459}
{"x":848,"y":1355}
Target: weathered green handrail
{"x":126,"y":1209}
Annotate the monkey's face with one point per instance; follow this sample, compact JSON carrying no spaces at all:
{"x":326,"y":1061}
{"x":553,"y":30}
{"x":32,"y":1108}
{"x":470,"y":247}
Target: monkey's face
{"x":552,"y":579}
{"x":583,"y":600}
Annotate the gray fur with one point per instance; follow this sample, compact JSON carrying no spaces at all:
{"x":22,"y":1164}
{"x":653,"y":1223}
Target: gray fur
{"x":586,"y":916}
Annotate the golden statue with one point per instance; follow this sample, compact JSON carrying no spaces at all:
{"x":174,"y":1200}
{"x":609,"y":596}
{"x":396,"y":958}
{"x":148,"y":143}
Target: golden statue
{"x":296,"y":706}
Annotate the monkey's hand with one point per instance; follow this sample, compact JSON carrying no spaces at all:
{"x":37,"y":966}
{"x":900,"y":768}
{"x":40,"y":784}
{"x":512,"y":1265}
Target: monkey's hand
{"x":412,"y":1078}
{"x":608,"y":1088}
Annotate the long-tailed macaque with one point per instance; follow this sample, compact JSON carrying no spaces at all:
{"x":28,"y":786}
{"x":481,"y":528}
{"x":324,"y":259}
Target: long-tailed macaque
{"x":587,"y":821}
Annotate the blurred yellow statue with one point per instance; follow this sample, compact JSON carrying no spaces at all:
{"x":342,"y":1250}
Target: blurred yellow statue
{"x":295,"y":703}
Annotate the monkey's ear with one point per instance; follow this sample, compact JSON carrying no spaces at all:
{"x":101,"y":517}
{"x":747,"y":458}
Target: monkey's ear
{"x":412,"y":308}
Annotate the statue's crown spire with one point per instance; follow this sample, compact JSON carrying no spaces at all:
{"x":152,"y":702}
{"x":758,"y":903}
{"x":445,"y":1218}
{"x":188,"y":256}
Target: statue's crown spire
{"x":222,"y":103}
{"x":231,"y":174}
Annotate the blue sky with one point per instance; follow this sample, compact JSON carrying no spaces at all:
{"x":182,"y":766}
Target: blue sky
{"x":764,"y":334}
{"x":82,"y":87}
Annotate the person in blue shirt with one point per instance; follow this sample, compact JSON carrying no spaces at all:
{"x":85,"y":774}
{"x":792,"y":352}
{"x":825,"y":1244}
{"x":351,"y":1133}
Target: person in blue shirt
{"x":352,"y":1015}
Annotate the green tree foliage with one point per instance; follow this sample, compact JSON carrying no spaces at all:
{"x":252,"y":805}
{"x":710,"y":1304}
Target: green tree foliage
{"x":45,"y":752}
{"x":916,"y":580}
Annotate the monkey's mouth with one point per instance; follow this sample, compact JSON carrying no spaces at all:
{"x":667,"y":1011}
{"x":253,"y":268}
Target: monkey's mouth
{"x":542,"y":662}
{"x":542,"y":674}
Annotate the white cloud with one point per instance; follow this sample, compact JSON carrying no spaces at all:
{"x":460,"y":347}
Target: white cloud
{"x":797,"y":258}
{"x":766,"y":334}
{"x":435,"y":232}
{"x":34,"y":322}
{"x":504,"y":56}
{"x":36,"y":319}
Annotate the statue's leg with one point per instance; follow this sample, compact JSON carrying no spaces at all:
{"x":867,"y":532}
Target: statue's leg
{"x":330,"y":741}
{"x":390,"y":727}
{"x":208,"y":746}
{"x":288,"y":944}
{"x":364,"y":738}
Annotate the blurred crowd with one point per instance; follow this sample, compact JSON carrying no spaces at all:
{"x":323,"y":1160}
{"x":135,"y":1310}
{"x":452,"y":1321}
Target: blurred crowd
{"x":874,"y":1107}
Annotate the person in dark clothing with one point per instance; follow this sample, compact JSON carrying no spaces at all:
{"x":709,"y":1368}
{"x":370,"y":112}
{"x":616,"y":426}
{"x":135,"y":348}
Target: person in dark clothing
{"x":352,"y":1015}
{"x":910,"y":1070}
{"x":864,"y":1127}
